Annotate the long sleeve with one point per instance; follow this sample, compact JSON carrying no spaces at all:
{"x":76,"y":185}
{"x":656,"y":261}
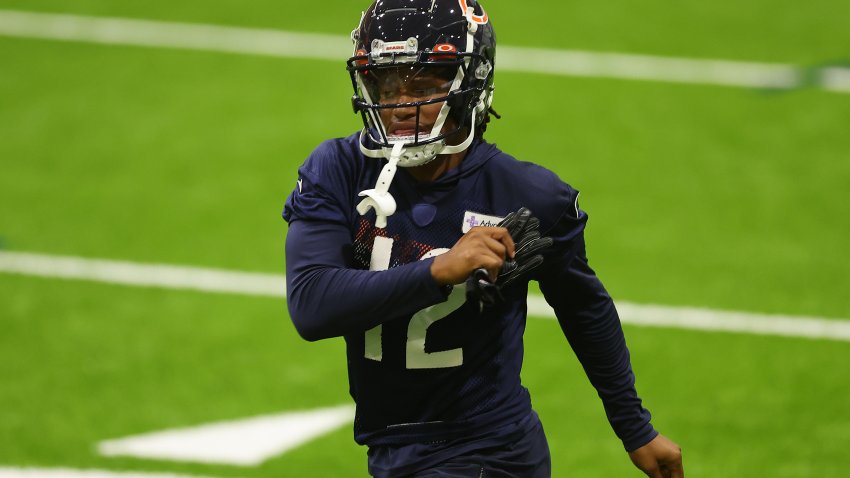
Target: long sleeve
{"x":585,"y":311}
{"x":590,"y":322}
{"x":327,"y":299}
{"x":326,"y":295}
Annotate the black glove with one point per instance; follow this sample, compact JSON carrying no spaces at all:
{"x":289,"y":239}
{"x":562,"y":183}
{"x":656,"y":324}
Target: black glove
{"x":524,"y":230}
{"x":480,"y":289}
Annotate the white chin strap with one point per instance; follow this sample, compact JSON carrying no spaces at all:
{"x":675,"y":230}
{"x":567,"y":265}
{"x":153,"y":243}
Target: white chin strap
{"x":418,"y":155}
{"x":379,"y":198}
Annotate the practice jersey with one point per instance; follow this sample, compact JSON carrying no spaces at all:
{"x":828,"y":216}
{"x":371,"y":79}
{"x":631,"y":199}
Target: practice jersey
{"x":425,"y":365}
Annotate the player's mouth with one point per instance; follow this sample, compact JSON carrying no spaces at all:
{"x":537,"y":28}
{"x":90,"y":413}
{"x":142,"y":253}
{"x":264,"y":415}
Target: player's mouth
{"x":405,"y":130}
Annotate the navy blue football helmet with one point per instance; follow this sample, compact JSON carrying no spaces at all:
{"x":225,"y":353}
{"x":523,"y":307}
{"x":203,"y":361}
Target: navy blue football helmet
{"x":415,"y":54}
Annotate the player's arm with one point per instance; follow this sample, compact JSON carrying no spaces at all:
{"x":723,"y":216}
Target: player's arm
{"x":327,"y":299}
{"x":325,"y":296}
{"x":590,"y":322}
{"x":592,"y":326}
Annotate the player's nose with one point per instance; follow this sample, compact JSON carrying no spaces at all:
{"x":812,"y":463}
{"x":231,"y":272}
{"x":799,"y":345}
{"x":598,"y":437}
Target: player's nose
{"x":404,"y":113}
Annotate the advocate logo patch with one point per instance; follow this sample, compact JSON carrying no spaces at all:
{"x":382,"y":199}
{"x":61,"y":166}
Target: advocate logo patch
{"x":472,"y":219}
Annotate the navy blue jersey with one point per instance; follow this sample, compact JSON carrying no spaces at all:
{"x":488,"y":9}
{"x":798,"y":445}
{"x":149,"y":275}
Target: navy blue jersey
{"x":426,"y":366}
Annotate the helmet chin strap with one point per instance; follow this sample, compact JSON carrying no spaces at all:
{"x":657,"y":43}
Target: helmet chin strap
{"x":419,"y":155}
{"x":379,"y":197}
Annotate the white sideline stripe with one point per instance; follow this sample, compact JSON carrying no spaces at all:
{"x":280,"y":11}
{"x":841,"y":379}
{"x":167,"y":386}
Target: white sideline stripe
{"x":645,"y":67}
{"x":836,"y":79}
{"x":70,"y":473}
{"x":274,"y":285}
{"x":145,"y":275}
{"x":246,"y":442}
{"x":120,"y":31}
{"x":716,"y":320}
{"x":278,"y":43}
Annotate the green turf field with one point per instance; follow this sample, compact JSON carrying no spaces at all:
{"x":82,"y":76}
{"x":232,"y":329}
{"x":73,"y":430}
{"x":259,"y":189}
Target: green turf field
{"x":710,"y":196}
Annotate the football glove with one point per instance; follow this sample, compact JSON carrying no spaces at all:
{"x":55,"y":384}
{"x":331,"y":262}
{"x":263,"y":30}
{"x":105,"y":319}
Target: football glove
{"x":524,"y":230}
{"x":481,"y":290}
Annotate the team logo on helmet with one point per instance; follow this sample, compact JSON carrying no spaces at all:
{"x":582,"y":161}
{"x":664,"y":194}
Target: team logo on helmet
{"x":469,"y":13}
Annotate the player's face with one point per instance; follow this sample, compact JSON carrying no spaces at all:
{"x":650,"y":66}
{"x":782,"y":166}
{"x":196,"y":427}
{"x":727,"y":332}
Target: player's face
{"x":408,"y":85}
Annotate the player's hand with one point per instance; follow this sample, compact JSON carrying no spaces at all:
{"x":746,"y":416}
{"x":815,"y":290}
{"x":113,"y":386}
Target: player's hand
{"x":524,"y":230}
{"x":480,"y":248}
{"x":660,"y":458}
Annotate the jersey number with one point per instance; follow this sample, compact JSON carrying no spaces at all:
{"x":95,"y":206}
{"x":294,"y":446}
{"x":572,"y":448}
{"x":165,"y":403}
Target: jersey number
{"x":417,"y":329}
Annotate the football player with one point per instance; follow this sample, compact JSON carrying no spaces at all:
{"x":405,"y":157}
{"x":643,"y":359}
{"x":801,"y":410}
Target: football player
{"x":415,"y":240}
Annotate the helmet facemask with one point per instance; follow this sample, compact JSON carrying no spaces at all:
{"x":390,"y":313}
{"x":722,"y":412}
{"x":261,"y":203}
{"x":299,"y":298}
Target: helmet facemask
{"x":421,"y":99}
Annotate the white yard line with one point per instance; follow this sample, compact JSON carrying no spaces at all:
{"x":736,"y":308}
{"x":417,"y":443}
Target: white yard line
{"x":245,"y":442}
{"x":71,"y":473}
{"x":718,"y":320}
{"x":836,"y":79}
{"x":144,"y":275}
{"x":651,"y":68}
{"x":120,"y":31}
{"x":274,"y":285}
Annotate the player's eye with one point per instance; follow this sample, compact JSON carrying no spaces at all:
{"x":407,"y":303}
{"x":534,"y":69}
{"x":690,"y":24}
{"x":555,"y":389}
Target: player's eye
{"x":424,"y":92}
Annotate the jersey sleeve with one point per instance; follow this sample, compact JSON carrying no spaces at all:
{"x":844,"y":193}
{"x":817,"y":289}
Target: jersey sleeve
{"x":551,"y":200}
{"x":327,"y":297}
{"x":590,"y":322}
{"x":323,"y":191}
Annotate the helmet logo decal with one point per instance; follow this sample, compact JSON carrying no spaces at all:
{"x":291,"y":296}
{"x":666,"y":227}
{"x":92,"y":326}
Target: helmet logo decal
{"x":444,"y":48}
{"x":408,"y":47}
{"x":469,"y":13}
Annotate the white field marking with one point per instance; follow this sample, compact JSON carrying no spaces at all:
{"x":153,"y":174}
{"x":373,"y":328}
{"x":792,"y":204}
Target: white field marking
{"x":835,"y":79}
{"x":718,"y":320}
{"x":121,"y":31}
{"x":144,"y":275}
{"x":247,"y":442}
{"x":274,"y":285}
{"x":645,"y":67}
{"x":70,"y":473}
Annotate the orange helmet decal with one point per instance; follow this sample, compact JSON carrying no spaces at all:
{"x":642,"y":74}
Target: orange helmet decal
{"x":468,"y":13}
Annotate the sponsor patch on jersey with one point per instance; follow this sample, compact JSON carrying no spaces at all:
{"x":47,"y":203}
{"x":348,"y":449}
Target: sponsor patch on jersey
{"x":472,"y":219}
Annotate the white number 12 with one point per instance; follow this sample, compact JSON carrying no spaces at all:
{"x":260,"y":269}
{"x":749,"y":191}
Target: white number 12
{"x":417,"y":329}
